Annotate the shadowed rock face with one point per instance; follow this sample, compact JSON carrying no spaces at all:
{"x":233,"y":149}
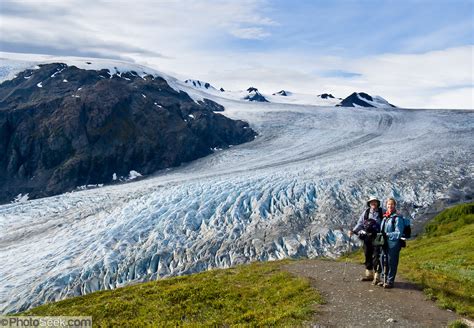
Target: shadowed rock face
{"x":357,"y":98}
{"x":326,"y":96}
{"x":254,"y":95}
{"x":61,"y":127}
{"x":354,"y":99}
{"x":281,"y":93}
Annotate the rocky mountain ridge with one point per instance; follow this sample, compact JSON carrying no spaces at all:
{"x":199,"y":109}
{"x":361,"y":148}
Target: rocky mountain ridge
{"x":63,"y":127}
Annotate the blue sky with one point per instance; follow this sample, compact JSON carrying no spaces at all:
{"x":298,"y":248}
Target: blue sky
{"x":415,"y":53}
{"x":360,"y":28}
{"x":355,"y":29}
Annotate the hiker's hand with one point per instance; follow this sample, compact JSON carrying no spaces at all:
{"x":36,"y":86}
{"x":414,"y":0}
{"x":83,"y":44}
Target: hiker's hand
{"x":350,"y":233}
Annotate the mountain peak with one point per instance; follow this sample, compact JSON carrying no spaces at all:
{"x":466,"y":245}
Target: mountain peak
{"x":362,"y":99}
{"x":252,"y":89}
{"x":254,"y":95}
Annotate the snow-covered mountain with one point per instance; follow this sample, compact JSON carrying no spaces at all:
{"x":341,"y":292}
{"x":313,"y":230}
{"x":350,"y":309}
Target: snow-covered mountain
{"x":361,"y":99}
{"x":198,"y":90}
{"x":356,"y":99}
{"x":289,"y":193}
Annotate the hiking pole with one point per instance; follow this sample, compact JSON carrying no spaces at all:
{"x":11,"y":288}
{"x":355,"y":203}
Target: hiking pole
{"x":345,"y":264}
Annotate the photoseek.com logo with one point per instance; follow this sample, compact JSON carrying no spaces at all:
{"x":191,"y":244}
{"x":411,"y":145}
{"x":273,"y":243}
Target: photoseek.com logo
{"x":34,"y":321}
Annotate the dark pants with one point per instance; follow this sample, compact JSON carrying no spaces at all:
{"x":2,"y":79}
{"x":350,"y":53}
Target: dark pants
{"x":372,"y":255}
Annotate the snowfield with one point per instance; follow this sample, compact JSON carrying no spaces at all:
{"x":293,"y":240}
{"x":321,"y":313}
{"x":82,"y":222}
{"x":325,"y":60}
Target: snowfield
{"x":288,"y":193}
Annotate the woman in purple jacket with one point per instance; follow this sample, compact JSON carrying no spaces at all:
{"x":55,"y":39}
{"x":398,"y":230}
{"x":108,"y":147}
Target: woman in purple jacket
{"x":367,"y":228}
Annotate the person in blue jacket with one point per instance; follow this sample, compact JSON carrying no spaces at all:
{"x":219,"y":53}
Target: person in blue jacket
{"x":392,"y":228}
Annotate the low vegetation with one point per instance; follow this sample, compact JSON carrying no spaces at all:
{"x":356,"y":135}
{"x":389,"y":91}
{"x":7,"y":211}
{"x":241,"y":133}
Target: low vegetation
{"x":442,"y":259}
{"x":258,"y":294}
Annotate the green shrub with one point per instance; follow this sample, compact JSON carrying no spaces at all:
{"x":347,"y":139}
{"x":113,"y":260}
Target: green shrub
{"x":451,"y":220}
{"x":457,"y":324}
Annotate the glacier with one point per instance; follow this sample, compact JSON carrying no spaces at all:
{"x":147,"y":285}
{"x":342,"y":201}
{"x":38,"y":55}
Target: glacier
{"x":292,"y":192}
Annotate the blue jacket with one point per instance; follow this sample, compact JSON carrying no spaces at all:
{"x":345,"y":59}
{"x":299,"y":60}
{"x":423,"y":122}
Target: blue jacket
{"x":393,"y":228}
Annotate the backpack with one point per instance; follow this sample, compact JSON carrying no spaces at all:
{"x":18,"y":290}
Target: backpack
{"x":370,"y":225}
{"x":406,"y":226}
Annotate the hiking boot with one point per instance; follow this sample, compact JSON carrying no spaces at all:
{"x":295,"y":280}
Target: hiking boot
{"x":380,"y":283}
{"x":387,"y":286}
{"x":369,"y":276}
{"x":376,"y":280}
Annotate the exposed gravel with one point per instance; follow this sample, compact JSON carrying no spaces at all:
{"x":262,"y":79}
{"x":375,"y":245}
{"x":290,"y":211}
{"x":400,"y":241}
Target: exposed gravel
{"x":353,"y":303}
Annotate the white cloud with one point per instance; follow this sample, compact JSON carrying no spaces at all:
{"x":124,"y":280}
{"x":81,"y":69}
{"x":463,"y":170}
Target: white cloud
{"x":420,"y":80}
{"x":250,"y":33}
{"x":429,"y":80}
{"x":453,"y":98}
{"x":164,"y":27}
{"x":188,"y":38}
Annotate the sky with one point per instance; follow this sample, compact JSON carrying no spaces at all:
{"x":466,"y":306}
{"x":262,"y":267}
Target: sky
{"x":416,"y":54}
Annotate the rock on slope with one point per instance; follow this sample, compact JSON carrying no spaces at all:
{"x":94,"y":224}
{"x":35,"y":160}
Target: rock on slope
{"x":62,"y":127}
{"x":327,"y":96}
{"x":283,"y":93}
{"x":200,"y":85}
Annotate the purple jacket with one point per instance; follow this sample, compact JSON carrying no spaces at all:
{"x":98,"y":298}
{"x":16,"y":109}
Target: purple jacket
{"x":372,"y":215}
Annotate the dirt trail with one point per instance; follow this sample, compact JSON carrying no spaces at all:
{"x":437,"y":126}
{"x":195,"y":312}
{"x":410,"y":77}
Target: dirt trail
{"x":352,"y":303}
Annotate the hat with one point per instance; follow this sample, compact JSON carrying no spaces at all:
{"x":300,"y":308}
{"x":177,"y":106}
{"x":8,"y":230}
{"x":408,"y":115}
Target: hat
{"x":372,"y":199}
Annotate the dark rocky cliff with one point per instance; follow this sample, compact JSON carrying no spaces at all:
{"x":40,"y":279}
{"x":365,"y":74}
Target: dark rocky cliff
{"x":62,"y":127}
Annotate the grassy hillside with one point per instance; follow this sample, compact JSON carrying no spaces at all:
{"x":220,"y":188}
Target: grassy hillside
{"x":255,"y":294}
{"x":442,"y":259}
